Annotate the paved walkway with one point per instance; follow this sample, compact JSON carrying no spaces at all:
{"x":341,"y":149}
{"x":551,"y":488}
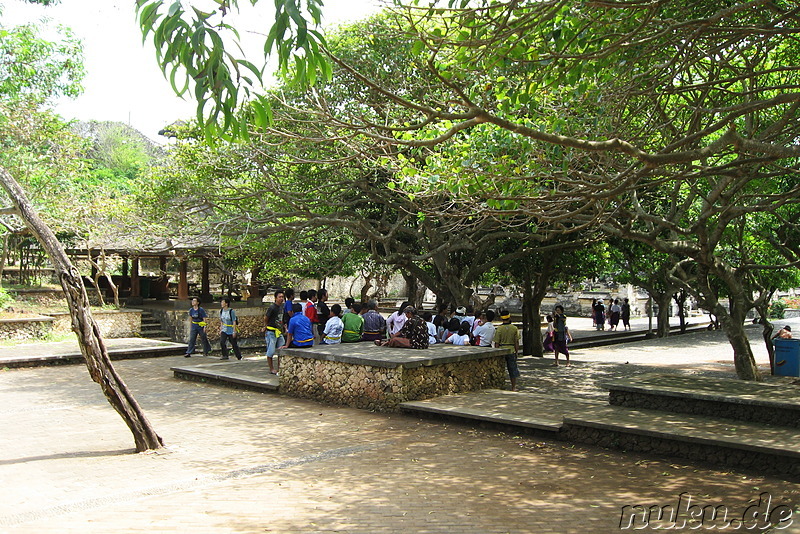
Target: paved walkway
{"x":240,"y":461}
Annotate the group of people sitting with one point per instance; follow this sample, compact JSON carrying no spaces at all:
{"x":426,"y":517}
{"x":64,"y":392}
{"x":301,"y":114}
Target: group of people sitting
{"x":311,"y":322}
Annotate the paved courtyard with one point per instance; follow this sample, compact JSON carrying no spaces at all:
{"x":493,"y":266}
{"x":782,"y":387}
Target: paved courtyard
{"x":240,"y":461}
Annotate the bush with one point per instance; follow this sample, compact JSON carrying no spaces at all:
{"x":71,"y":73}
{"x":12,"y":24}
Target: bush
{"x":5,"y":299}
{"x":776,"y":308}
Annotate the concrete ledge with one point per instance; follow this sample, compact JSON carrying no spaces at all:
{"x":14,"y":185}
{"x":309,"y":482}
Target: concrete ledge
{"x":691,"y":429}
{"x":526,"y":410}
{"x":246,"y":374}
{"x":366,"y":353}
{"x":757,"y":402}
{"x":67,"y":352}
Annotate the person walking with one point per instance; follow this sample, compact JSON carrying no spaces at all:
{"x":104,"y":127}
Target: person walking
{"x":616,"y":310}
{"x":561,"y":334}
{"x":625,"y":314}
{"x":228,"y":326}
{"x":198,"y":317}
{"x":507,"y":335}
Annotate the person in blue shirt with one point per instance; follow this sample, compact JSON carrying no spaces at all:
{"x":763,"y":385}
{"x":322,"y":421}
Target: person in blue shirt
{"x":299,"y":334}
{"x":228,"y":324}
{"x":198,"y":328}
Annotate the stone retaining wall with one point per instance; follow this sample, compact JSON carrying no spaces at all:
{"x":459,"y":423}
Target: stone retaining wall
{"x":251,"y":322}
{"x":780,"y":416}
{"x":382,"y":388}
{"x":701,"y":452}
{"x":25,"y":329}
{"x":112,"y":323}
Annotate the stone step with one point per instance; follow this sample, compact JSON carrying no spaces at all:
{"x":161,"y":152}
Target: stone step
{"x":749,"y":445}
{"x":522,"y":409}
{"x":245,"y":374}
{"x":776,"y":402}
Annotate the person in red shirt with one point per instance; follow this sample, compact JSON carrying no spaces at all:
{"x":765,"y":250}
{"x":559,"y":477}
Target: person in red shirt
{"x":311,"y":313}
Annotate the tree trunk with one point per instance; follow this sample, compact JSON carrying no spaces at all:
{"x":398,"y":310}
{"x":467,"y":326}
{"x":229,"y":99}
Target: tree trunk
{"x":766,"y":332}
{"x":89,"y":339}
{"x":680,"y":300}
{"x":664,"y":301}
{"x":743,"y":359}
{"x":531,"y":330}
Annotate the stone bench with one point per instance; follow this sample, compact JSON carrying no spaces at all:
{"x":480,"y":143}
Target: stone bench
{"x":759,"y":402}
{"x":363,"y":375}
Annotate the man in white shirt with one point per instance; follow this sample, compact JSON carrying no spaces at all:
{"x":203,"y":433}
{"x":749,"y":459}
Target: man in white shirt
{"x":486,"y":329}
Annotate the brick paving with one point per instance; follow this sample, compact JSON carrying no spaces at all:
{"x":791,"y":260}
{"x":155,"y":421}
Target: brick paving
{"x":241,"y":461}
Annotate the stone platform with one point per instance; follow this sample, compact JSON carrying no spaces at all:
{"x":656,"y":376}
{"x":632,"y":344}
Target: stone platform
{"x":363,"y":375}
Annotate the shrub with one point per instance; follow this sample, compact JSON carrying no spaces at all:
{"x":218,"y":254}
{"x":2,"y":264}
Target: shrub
{"x":5,"y":299}
{"x":776,"y":308}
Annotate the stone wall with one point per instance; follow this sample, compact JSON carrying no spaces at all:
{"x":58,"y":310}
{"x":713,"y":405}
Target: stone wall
{"x":26,"y":329}
{"x":112,"y":323}
{"x":381,"y":388}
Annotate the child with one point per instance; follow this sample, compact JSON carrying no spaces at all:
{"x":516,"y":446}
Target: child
{"x":462,"y":336}
{"x":332,"y":334}
{"x":548,"y":335}
{"x":432,"y":329}
{"x":560,"y":334}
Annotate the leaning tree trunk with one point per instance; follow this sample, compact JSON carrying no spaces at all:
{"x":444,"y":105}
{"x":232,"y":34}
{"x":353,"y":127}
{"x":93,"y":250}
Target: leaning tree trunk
{"x":91,"y":342}
{"x":733,"y":323}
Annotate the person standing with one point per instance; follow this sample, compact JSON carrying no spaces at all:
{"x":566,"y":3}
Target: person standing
{"x":198,"y":317}
{"x":507,"y":335}
{"x":228,"y":325}
{"x":288,"y":299}
{"x":274,"y":327}
{"x":600,"y":315}
{"x":310,"y":311}
{"x":626,"y":314}
{"x":323,"y":311}
{"x":561,"y":334}
{"x":616,"y":310}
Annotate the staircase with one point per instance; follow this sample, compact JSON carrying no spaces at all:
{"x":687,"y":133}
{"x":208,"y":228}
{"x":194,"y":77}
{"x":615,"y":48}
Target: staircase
{"x":152,"y":329}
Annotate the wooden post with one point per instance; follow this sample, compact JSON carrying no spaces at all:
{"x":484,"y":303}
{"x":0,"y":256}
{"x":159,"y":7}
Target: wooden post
{"x":183,"y":279}
{"x":205,"y":285}
{"x":136,"y":290}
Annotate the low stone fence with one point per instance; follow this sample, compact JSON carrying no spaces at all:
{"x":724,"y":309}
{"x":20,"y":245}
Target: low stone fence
{"x":112,"y":323}
{"x":362,"y":375}
{"x":25,"y":329}
{"x":251,"y":323}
